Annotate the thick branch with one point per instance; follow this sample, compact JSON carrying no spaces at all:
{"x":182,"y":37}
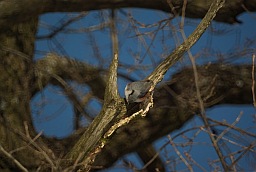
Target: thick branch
{"x":158,"y":74}
{"x":93,"y":140}
{"x":16,"y":11}
{"x":176,"y":103}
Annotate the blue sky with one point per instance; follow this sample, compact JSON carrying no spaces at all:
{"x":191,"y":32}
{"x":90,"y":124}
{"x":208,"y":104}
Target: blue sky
{"x":52,"y":111}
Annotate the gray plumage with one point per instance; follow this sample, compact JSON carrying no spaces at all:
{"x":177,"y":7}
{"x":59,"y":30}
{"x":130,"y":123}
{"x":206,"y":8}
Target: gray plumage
{"x":136,"y":91}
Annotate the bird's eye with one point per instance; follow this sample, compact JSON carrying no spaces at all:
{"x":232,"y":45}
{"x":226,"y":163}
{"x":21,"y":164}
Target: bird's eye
{"x":131,"y":92}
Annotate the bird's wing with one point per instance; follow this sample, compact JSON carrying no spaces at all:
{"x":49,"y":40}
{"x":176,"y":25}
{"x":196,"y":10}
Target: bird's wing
{"x":146,"y":86}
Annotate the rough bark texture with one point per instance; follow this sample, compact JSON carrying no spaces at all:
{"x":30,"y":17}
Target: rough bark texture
{"x":21,"y":78}
{"x":15,"y":94}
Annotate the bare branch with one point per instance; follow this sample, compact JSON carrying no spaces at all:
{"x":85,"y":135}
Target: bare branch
{"x":253,"y":80}
{"x":179,"y":154}
{"x":111,"y":89}
{"x":69,"y":92}
{"x":12,"y":11}
{"x":54,"y":65}
{"x":92,"y":141}
{"x":150,"y":157}
{"x":158,"y":74}
{"x":63,"y":26}
{"x":22,"y":168}
{"x":200,"y":100}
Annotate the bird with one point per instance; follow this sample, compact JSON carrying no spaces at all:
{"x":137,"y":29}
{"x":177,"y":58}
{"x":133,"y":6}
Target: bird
{"x":137,"y":91}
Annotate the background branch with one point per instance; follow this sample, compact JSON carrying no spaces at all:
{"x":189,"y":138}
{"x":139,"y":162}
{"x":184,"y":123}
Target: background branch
{"x":68,"y":69}
{"x":14,"y":11}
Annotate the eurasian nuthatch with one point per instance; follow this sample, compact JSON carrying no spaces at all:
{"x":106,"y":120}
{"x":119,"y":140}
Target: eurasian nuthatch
{"x":137,"y":91}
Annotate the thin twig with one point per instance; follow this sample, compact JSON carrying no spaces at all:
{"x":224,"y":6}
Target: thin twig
{"x":242,"y":155}
{"x":72,"y":96}
{"x":13,"y":159}
{"x":151,"y":160}
{"x":167,"y":143}
{"x":114,"y":37}
{"x":28,"y":144}
{"x":77,"y":162}
{"x":237,"y":144}
{"x":40,"y":148}
{"x":179,"y":154}
{"x":159,"y":72}
{"x":233,"y":127}
{"x":230,"y":127}
{"x":142,"y":39}
{"x":57,"y":30}
{"x":199,"y":97}
{"x":253,"y":80}
{"x":194,"y":162}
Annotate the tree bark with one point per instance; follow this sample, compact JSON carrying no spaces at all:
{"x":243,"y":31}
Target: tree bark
{"x":16,"y":77}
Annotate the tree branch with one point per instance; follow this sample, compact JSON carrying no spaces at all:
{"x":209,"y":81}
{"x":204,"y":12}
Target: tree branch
{"x":22,"y":168}
{"x":158,"y":74}
{"x":94,"y":139}
{"x":53,"y":65}
{"x":176,"y":103}
{"x":14,"y":11}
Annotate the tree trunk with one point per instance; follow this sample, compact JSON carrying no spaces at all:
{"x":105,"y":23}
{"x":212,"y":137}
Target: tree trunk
{"x":16,"y":78}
